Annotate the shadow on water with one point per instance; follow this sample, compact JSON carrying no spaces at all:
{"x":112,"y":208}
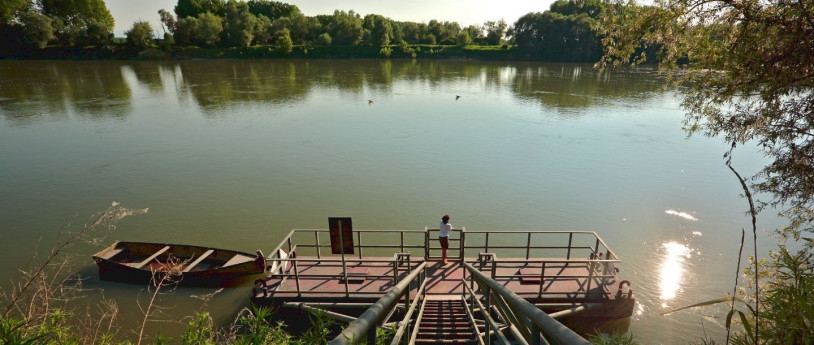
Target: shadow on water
{"x":32,"y":90}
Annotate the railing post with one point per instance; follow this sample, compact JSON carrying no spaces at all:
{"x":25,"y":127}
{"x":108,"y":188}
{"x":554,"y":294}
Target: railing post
{"x":426,"y":243}
{"x":297,"y":278}
{"x":316,"y":239}
{"x":402,"y":241}
{"x":542,"y":280}
{"x":528,"y":245}
{"x":462,"y":243}
{"x":570,"y":241}
{"x":494,"y":268}
{"x":487,"y":242}
{"x":395,"y":273}
{"x":359,"y":241}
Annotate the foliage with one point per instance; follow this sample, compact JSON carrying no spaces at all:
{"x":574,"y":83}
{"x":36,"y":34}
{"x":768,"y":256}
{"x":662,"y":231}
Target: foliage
{"x":463,"y":39}
{"x":11,"y":9}
{"x":749,"y":75}
{"x":377,"y":30}
{"x":272,"y":9}
{"x":386,"y":51}
{"x":283,"y":44}
{"x":555,"y":36}
{"x":37,"y":29}
{"x":167,"y":21}
{"x":495,"y":31}
{"x":75,"y":16}
{"x":239,"y":24}
{"x":140,"y":35}
{"x":324,"y":39}
{"x":345,"y":28}
{"x":195,"y":8}
{"x":613,"y":339}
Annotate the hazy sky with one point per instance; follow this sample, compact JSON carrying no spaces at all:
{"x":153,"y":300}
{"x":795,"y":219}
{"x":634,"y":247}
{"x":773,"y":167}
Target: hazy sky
{"x":465,"y":12}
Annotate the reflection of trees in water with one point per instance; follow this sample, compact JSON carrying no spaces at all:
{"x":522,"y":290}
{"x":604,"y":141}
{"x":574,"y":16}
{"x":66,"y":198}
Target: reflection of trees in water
{"x":148,"y":73}
{"x":32,"y":90}
{"x":566,"y":86}
{"x":223,"y":84}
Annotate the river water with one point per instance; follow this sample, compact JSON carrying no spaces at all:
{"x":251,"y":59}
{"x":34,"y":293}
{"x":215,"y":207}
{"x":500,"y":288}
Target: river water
{"x":235,"y":153}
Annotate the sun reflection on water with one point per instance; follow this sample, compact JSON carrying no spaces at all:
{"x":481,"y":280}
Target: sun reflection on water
{"x":672,"y":269}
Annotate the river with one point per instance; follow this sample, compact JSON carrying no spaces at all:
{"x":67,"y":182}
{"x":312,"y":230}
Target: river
{"x":235,"y":153}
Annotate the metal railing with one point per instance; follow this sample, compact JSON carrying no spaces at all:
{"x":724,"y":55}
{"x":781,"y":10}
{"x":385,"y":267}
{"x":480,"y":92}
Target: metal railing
{"x":378,"y":314}
{"x":598,"y":272}
{"x":566,"y":248}
{"x":526,"y":323}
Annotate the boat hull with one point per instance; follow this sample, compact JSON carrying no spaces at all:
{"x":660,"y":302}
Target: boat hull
{"x":186,"y":265}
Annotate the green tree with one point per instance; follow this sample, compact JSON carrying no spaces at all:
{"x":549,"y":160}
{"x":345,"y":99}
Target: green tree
{"x":194,"y":8}
{"x":11,"y":9}
{"x":495,"y":31}
{"x":96,"y":34}
{"x":272,"y":9}
{"x":167,"y":21}
{"x":208,"y":30}
{"x":553,"y":36}
{"x":324,"y":39}
{"x":37,"y":29}
{"x":379,"y":30}
{"x":239,"y":24}
{"x":750,"y":76}
{"x":140,"y":35}
{"x":75,"y":16}
{"x":345,"y":28}
{"x":283,"y":44}
{"x":463,"y":39}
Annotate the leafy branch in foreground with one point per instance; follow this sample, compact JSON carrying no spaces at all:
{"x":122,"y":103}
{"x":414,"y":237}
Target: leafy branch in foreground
{"x":747,"y":76}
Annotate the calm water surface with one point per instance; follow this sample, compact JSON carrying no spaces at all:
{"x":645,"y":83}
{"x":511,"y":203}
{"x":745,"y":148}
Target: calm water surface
{"x":234,"y":154}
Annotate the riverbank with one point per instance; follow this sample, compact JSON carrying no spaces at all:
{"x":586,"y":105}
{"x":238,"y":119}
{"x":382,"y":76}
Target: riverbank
{"x":122,"y":52}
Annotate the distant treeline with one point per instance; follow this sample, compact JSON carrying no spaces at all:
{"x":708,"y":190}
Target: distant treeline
{"x":264,"y":28}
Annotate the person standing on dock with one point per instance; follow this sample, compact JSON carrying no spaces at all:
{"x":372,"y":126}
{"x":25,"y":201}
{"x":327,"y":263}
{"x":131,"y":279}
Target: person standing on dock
{"x":443,"y":237}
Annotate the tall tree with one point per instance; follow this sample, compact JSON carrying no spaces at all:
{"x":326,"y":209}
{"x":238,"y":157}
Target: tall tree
{"x":378,"y":30}
{"x":495,"y":31}
{"x":193,"y":8}
{"x":345,"y":28}
{"x":75,"y":16}
{"x":140,"y":35}
{"x":36,"y":28}
{"x":167,"y":21}
{"x":272,"y":9}
{"x":239,"y":24}
{"x":11,"y":9}
{"x":751,"y":79}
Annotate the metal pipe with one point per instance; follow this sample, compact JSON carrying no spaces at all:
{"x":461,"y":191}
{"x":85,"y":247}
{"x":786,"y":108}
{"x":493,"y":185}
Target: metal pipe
{"x":373,"y":315}
{"x":406,"y":320}
{"x":547,"y":324}
{"x":331,"y":314}
{"x":573,"y":311}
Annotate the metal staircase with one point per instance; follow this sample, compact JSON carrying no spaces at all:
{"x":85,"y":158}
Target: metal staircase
{"x":445,"y":322}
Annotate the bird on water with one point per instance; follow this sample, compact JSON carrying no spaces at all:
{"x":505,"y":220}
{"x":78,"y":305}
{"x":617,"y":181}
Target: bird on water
{"x":456,"y":97}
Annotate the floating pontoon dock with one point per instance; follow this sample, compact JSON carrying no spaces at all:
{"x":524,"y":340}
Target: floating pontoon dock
{"x":499,"y":285}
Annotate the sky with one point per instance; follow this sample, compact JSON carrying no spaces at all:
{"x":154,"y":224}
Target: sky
{"x":465,"y":12}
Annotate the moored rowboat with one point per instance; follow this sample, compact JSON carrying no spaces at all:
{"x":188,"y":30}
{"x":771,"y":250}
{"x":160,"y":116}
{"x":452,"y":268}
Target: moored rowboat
{"x":196,"y":266}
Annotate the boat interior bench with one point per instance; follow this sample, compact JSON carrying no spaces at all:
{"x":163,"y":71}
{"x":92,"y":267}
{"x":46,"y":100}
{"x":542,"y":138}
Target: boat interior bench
{"x":151,"y":258}
{"x":198,"y":260}
{"x":237,"y":259}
